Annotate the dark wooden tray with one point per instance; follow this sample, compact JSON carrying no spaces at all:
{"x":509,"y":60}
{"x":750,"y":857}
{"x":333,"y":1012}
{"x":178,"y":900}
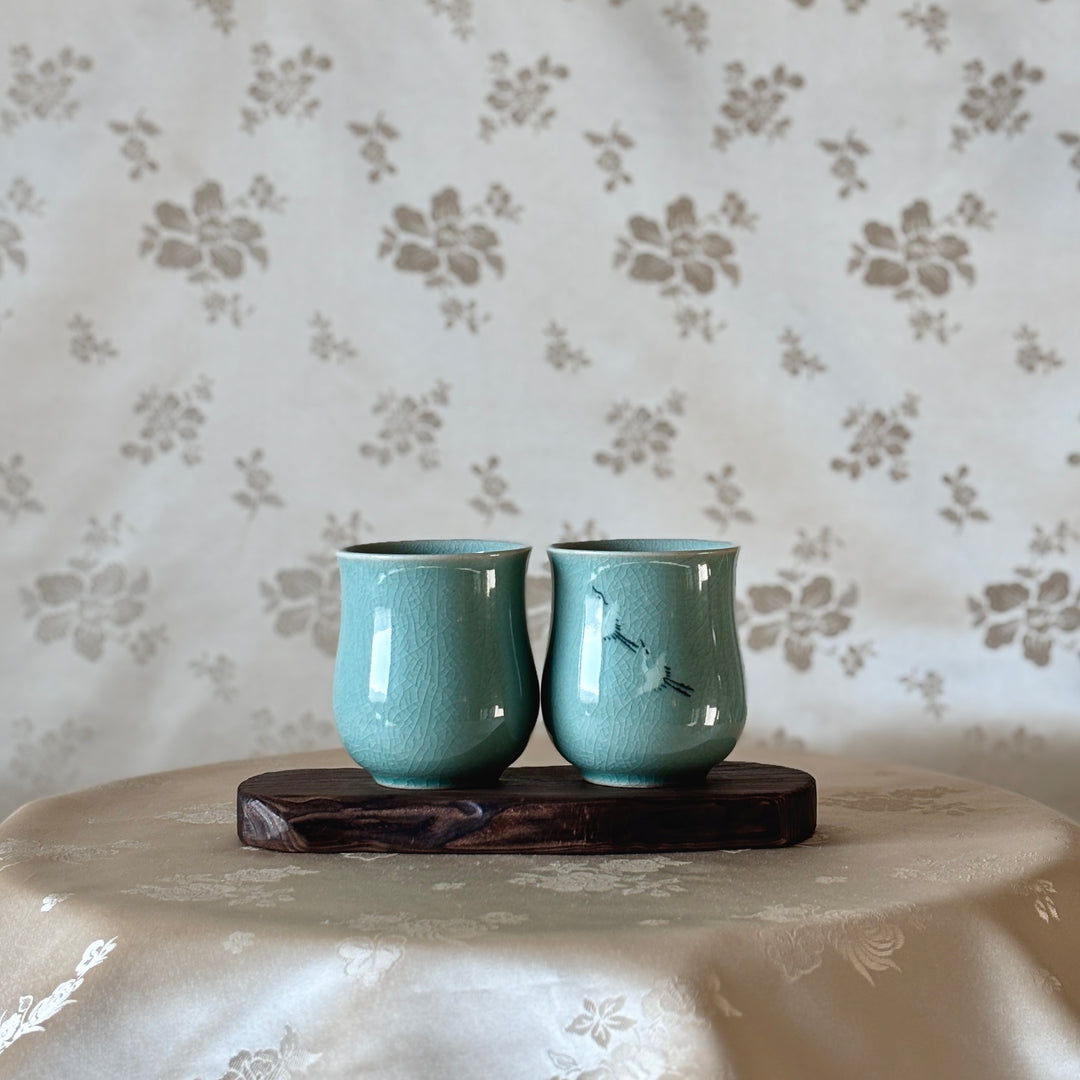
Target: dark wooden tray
{"x":531,"y":811}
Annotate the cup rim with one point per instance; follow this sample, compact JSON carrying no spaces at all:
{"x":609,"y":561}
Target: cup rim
{"x":439,"y":548}
{"x":636,"y":547}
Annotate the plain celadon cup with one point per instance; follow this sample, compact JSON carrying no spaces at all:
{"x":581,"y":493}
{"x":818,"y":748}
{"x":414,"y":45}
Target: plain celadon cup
{"x":434,"y":685}
{"x":643,"y":684}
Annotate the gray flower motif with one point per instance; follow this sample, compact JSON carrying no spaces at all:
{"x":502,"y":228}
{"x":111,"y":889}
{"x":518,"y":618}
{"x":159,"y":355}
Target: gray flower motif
{"x":450,"y":245}
{"x":682,"y":249}
{"x":90,"y":606}
{"x":881,"y":437}
{"x":915,"y":254}
{"x":307,"y":596}
{"x":10,"y":245}
{"x":798,"y":619}
{"x":1042,"y":610}
{"x":207,"y":242}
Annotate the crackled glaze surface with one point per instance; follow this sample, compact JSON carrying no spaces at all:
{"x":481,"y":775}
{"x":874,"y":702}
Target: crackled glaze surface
{"x":434,"y":683}
{"x":643,"y":683}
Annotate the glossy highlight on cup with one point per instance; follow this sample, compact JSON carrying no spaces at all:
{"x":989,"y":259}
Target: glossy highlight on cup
{"x":434,"y":683}
{"x":643,"y":683}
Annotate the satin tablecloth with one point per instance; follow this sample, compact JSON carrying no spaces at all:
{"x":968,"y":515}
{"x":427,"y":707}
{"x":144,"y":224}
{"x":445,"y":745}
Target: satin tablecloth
{"x":931,"y":928}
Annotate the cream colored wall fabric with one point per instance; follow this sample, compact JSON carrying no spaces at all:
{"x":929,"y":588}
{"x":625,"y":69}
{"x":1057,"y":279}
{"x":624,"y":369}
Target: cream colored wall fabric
{"x":278,"y":276}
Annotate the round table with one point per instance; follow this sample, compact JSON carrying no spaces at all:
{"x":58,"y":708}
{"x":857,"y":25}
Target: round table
{"x":930,"y":928}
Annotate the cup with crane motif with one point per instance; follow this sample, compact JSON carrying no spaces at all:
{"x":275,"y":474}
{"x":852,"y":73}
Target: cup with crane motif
{"x":643,"y":683}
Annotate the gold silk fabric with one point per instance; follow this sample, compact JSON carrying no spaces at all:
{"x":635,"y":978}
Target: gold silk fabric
{"x":930,"y":928}
{"x":278,"y":276}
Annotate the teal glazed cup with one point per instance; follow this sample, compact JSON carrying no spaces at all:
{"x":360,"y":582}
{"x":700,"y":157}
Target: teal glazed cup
{"x":643,"y":684}
{"x":434,"y":684}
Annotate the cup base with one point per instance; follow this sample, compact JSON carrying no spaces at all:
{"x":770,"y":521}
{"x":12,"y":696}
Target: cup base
{"x":644,"y":780}
{"x":434,"y":783}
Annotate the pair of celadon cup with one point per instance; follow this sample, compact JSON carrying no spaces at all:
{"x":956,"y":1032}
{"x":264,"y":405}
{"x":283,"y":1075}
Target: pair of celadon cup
{"x":435,"y":684}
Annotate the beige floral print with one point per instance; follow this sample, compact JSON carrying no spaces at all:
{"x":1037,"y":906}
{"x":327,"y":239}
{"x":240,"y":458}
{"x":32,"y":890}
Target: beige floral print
{"x":1038,"y":605}
{"x":493,"y":498}
{"x":135,"y":146}
{"x":880,"y":438}
{"x":221,"y":11}
{"x":369,"y":958}
{"x":459,"y":13}
{"x":1044,"y":892}
{"x":559,"y":353}
{"x":19,"y":199}
{"x":30,"y":1017}
{"x":727,"y":495}
{"x":853,"y":659}
{"x":500,"y":204}
{"x":779,"y":740}
{"x":170,"y":421}
{"x":1071,"y":139}
{"x":220,"y":671}
{"x":324,"y":345}
{"x":599,"y":1019}
{"x":852,"y":7}
{"x":94,"y":600}
{"x":994,"y":104}
{"x":238,"y":941}
{"x":15,"y":490}
{"x":694,"y":21}
{"x":307,"y":732}
{"x":612,"y":147}
{"x":201,"y":813}
{"x":520,"y":97}
{"x":1001,"y":758}
{"x":41,"y":92}
{"x":589,"y":530}
{"x":1056,"y":541}
{"x":845,"y":154}
{"x":285,"y":90}
{"x":754,"y":105}
{"x":621,"y":876}
{"x":928,"y":800}
{"x":407,"y":926}
{"x":964,"y":496}
{"x":210,"y":243}
{"x":660,"y":1041}
{"x":258,"y":481}
{"x":41,"y":761}
{"x":374,"y":139}
{"x":308,"y":597}
{"x":1031,"y":357}
{"x":247,"y":887}
{"x":409,"y":424}
{"x":918,"y":261}
{"x":931,"y":688}
{"x":933,"y":22}
{"x":803,"y":610}
{"x":449,"y":248}
{"x":799,"y":936}
{"x":795,"y":360}
{"x":85,"y":346}
{"x":684,"y":254}
{"x":643,"y":434}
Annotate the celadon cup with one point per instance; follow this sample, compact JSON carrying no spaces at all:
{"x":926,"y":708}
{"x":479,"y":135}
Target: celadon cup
{"x":643,"y":683}
{"x":434,"y":684}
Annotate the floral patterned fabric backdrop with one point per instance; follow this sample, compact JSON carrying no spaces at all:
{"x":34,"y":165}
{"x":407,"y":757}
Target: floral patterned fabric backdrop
{"x":277,"y":277}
